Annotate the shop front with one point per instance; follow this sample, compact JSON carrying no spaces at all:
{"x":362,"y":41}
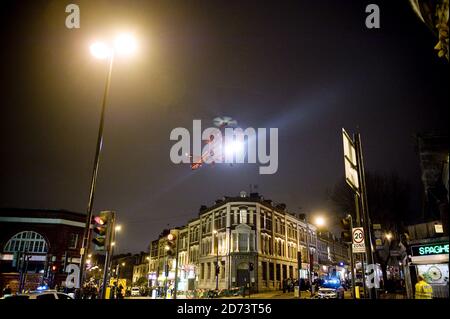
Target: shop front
{"x":186,"y":278}
{"x":430,"y":260}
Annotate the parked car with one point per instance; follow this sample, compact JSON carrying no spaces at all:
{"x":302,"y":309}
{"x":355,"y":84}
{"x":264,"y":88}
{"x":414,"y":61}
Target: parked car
{"x":135,"y":291}
{"x":41,"y":295}
{"x":327,"y":293}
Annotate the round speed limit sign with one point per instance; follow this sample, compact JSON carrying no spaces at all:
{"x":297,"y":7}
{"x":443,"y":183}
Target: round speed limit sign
{"x":358,"y":235}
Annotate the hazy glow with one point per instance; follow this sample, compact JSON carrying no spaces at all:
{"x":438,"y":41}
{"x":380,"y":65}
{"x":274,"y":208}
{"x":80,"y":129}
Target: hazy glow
{"x":234,"y":148}
{"x":100,"y":50}
{"x":125,"y":44}
{"x":118,"y":228}
{"x":320,"y":221}
{"x":388,"y":236}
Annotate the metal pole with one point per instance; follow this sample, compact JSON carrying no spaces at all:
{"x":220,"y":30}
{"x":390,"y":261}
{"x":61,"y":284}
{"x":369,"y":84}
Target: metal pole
{"x":309,"y":255}
{"x":176,"y":270}
{"x":108,"y":254}
{"x":229,"y":256}
{"x":352,"y":262}
{"x":357,"y":215}
{"x":87,"y":233}
{"x":365,"y":210}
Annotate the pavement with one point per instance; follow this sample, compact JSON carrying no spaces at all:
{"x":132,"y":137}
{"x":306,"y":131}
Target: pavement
{"x":272,"y":295}
{"x":277,"y":294}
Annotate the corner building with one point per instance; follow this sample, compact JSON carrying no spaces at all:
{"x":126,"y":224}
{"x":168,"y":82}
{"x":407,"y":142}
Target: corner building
{"x":234,"y":233}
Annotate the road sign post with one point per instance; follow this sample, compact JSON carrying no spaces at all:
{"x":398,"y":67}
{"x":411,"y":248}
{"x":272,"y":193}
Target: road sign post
{"x":355,"y":178}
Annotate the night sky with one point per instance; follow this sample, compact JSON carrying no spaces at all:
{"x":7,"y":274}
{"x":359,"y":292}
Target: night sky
{"x":308,"y":68}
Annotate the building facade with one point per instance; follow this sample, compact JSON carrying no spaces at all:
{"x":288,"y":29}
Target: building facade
{"x":35,"y":245}
{"x":334,"y":258}
{"x":237,"y":234}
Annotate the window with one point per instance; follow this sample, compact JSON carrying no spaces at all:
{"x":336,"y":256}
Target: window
{"x":29,"y":241}
{"x":271,"y":271}
{"x":264,"y":270}
{"x":243,"y":216}
{"x":263,"y":243}
{"x":285,"y":275}
{"x":208,"y":273}
{"x":243,"y":242}
{"x":194,"y":233}
{"x":235,"y":242}
{"x":202,"y":271}
{"x":222,"y":269}
{"x":262,"y":221}
{"x":270,"y":242}
{"x":278,"y":272}
{"x":73,"y":241}
{"x":269,"y":222}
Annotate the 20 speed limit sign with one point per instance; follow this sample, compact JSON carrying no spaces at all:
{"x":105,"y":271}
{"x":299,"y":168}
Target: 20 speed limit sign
{"x":358,"y":245}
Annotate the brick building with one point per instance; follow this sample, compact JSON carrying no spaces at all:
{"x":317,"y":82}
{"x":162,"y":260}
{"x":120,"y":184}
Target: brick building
{"x":35,"y":244}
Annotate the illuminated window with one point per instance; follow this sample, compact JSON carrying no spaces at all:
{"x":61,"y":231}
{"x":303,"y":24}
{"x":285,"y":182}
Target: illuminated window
{"x":243,"y":216}
{"x":26,"y":241}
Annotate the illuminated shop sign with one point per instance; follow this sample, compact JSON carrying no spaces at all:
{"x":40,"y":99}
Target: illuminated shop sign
{"x":430,"y":249}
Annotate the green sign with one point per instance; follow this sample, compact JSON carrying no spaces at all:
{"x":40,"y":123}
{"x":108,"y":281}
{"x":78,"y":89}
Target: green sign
{"x":430,"y":249}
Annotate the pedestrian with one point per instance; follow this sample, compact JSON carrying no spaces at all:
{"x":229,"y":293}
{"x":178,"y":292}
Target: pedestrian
{"x":7,"y":290}
{"x":284,"y":285}
{"x":120,"y":294}
{"x":423,"y":289}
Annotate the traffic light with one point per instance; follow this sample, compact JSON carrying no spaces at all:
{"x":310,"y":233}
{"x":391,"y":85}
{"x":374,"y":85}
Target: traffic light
{"x":346,"y":234}
{"x":102,"y":227}
{"x":250,"y":266}
{"x":171,"y":244}
{"x":217,"y":269}
{"x":166,"y":270}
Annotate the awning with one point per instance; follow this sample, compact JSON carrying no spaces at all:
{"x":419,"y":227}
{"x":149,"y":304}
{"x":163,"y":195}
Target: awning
{"x":431,"y":259}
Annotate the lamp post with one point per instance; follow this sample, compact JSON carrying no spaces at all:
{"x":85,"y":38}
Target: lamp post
{"x":124,"y":45}
{"x":319,"y":221}
{"x":309,"y":254}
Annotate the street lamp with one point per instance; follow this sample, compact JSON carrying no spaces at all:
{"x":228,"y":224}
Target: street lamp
{"x":125,"y":44}
{"x":388,"y":236}
{"x":319,"y":221}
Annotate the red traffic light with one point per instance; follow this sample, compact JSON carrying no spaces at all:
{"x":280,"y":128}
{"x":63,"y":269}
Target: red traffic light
{"x":99,"y":220}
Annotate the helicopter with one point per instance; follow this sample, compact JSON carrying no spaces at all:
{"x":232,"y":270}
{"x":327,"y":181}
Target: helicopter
{"x":221,"y":123}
